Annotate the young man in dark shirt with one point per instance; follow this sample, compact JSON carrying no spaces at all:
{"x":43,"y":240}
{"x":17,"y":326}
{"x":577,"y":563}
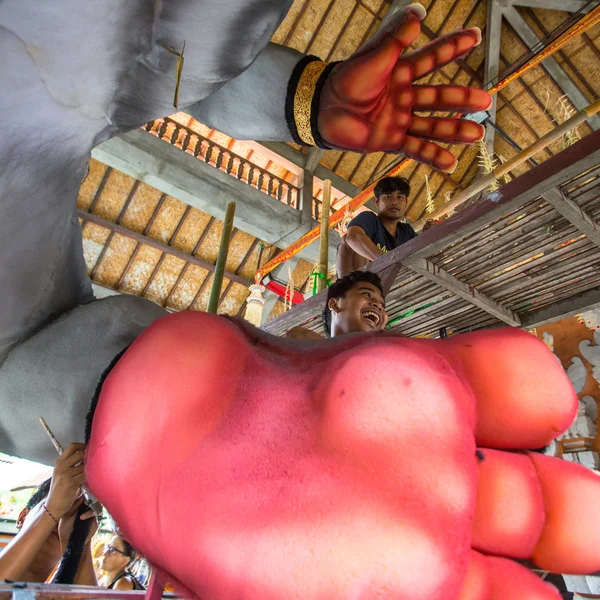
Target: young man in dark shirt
{"x":371,"y":235}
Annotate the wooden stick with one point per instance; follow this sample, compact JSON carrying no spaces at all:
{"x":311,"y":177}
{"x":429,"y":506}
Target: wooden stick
{"x":324,"y":238}
{"x":517,"y":160}
{"x":217,"y":284}
{"x":581,"y":26}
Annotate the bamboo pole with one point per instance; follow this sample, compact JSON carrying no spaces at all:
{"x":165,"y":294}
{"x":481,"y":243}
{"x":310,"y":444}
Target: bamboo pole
{"x":324,"y":239}
{"x":591,"y":19}
{"x":581,"y":26}
{"x":520,"y":158}
{"x":217,"y":284}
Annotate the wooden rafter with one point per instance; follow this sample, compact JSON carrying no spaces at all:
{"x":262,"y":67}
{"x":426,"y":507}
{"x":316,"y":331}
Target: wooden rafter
{"x":467,"y":292}
{"x":138,"y":237}
{"x":574,"y":214}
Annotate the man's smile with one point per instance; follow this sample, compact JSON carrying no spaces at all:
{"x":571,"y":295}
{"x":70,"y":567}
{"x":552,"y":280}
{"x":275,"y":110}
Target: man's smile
{"x":372,"y":316}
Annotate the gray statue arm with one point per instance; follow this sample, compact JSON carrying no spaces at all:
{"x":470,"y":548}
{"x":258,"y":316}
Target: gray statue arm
{"x":75,"y":74}
{"x":261,"y":116}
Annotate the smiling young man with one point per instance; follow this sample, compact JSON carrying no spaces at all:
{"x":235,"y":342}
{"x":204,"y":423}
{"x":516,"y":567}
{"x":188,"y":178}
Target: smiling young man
{"x":355,"y":303}
{"x":371,"y":235}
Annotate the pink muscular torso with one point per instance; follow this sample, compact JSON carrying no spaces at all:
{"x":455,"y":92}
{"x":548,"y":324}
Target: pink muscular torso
{"x":250,"y":467}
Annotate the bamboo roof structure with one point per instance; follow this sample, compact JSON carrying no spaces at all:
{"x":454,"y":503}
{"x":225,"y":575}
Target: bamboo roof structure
{"x":138,"y":240}
{"x":523,"y":256}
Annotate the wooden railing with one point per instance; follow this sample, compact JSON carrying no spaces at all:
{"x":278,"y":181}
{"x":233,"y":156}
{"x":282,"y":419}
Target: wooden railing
{"x":317,"y":206}
{"x":227,"y":161}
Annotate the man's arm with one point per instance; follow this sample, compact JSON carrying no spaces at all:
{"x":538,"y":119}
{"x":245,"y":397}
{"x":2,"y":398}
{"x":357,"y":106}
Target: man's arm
{"x":67,"y":477}
{"x":362,"y":244}
{"x":19,"y":555}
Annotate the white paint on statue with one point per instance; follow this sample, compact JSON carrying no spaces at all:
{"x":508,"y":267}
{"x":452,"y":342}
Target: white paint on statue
{"x":548,"y":339}
{"x":591,"y":319}
{"x":584,"y":425}
{"x":592,"y":354}
{"x":577,"y":374}
{"x":582,"y":583}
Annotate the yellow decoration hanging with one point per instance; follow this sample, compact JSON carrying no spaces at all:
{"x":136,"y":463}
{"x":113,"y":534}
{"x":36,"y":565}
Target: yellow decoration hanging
{"x":256,"y":303}
{"x":289,"y":291}
{"x":487,"y":163}
{"x":430,"y":207}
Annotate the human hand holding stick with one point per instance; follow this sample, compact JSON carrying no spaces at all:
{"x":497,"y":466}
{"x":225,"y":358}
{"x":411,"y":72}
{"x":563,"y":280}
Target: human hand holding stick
{"x":78,"y":451}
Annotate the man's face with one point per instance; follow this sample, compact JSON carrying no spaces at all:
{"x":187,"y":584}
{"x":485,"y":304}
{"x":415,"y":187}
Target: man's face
{"x":392,"y":205}
{"x":361,"y":309}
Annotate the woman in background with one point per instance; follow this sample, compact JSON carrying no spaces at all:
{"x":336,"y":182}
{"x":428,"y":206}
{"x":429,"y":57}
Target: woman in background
{"x":117,"y":557}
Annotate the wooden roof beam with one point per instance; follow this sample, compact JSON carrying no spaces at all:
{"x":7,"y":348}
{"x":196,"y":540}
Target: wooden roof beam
{"x":563,"y":309}
{"x":493,"y":30}
{"x":167,"y":168}
{"x":313,"y":158}
{"x":140,"y":237}
{"x":433,"y":273}
{"x":555,"y":71}
{"x":564,"y":5}
{"x":574,"y":214}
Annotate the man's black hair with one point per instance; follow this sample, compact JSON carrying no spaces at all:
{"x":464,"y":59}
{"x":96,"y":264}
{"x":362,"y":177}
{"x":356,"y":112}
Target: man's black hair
{"x":343,"y":285}
{"x":39,"y":494}
{"x":392,"y":184}
{"x":69,"y":564}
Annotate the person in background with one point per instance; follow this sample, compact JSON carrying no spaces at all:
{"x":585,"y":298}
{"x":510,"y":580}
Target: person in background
{"x":371,"y":235}
{"x":116,"y":560}
{"x":45,"y":525}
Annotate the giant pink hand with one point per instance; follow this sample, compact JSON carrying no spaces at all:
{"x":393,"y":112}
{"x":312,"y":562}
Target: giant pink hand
{"x":370,"y":100}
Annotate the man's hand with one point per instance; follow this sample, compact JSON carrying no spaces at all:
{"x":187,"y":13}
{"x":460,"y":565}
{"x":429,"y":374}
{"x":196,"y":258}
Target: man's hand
{"x":369,"y":100}
{"x":67,"y":479}
{"x":68,"y":520}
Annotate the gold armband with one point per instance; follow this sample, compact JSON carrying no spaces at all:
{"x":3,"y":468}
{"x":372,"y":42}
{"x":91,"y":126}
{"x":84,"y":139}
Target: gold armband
{"x":302,"y":101}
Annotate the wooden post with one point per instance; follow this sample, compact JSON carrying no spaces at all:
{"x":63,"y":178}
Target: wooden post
{"x":324,"y":239}
{"x":217,"y":284}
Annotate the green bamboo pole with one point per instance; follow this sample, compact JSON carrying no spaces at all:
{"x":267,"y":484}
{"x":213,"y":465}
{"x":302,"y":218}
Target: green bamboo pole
{"x":217,"y":284}
{"x":324,"y":239}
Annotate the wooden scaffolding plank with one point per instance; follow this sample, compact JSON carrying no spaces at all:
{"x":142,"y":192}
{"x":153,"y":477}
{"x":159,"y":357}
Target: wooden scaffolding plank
{"x":466,"y":292}
{"x":561,"y":310}
{"x":520,"y":192}
{"x":573,"y":213}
